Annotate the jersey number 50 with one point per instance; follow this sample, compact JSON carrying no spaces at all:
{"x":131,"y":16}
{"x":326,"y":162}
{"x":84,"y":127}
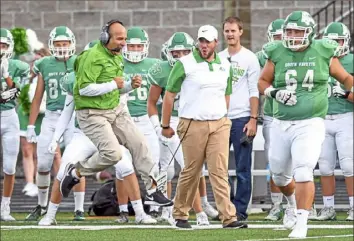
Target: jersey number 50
{"x":291,"y":81}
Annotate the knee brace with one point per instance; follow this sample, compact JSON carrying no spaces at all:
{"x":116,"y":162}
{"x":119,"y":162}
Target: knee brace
{"x":170,"y":173}
{"x":303,"y":174}
{"x":124,"y":168}
{"x":346,"y":164}
{"x":281,"y":180}
{"x":43,"y":180}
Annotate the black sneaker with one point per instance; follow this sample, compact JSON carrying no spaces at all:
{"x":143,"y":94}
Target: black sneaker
{"x":157,"y":199}
{"x":154,"y":214}
{"x":68,"y":182}
{"x":183,"y":224}
{"x":241,"y":217}
{"x":36,"y":213}
{"x":236,"y":224}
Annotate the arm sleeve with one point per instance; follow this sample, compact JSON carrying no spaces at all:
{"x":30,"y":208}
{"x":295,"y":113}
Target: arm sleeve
{"x":98,"y":89}
{"x":229,"y":83}
{"x":176,"y":78}
{"x":65,"y":117}
{"x":253,"y":76}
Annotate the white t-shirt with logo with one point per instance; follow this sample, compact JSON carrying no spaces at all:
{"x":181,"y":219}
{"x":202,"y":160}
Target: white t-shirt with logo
{"x":246,"y":70}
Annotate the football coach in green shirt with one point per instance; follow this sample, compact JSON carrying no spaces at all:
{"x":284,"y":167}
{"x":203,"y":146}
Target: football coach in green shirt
{"x":99,"y":81}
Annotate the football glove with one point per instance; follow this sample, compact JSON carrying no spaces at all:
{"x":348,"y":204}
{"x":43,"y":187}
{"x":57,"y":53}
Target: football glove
{"x":10,"y":94}
{"x":340,"y":93}
{"x":31,"y":134}
{"x":285,"y":97}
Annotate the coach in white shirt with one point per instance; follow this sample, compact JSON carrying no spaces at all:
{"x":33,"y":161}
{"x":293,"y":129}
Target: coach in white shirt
{"x":243,"y":108}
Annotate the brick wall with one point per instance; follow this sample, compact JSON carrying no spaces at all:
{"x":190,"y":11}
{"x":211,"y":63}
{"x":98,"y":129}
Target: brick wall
{"x":160,"y":18}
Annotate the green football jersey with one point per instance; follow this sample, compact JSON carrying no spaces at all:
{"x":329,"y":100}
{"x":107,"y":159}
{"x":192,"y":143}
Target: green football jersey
{"x":52,"y":70}
{"x":339,"y":105}
{"x":18,"y":72}
{"x":137,"y":99}
{"x":158,"y":75}
{"x":306,"y":73}
{"x":268,"y":102}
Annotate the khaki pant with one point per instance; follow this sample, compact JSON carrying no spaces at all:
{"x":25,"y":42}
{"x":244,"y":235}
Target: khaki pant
{"x":106,"y":129}
{"x":204,"y":140}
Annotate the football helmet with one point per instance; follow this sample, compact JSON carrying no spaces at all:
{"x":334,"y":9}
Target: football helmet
{"x":136,"y":35}
{"x":163,"y":53}
{"x":275,"y":28}
{"x":335,"y":31}
{"x":298,"y":20}
{"x":62,"y":33}
{"x":178,"y":41}
{"x":6,"y":38}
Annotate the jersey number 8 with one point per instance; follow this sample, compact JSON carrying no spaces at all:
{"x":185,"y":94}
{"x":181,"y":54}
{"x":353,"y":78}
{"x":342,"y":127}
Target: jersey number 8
{"x":291,"y":81}
{"x":54,"y":89}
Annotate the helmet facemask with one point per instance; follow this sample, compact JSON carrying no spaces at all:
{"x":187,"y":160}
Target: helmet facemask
{"x":272,"y":34}
{"x":61,"y":34}
{"x":179,"y":41}
{"x":170,"y":58}
{"x":136,"y":56}
{"x":296,"y":43}
{"x":6,"y":39}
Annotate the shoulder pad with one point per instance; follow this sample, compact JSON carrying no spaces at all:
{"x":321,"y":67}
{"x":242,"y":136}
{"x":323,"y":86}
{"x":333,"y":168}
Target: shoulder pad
{"x":23,"y":66}
{"x":156,"y":69}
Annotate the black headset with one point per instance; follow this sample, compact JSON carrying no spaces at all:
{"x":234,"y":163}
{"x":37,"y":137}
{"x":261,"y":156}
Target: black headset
{"x":105,"y":36}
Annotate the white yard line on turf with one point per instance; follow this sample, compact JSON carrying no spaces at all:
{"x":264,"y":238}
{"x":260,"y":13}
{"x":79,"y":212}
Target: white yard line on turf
{"x":213,"y":226}
{"x":313,"y":237}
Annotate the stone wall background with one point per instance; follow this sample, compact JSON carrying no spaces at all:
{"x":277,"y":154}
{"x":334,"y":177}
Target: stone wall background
{"x":160,"y":18}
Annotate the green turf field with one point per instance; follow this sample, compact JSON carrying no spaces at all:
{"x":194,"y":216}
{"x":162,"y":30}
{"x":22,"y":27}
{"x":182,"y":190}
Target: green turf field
{"x":104,"y":228}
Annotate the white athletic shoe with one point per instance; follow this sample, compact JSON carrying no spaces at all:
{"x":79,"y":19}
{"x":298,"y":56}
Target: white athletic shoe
{"x":202,"y":219}
{"x":5,"y":213}
{"x":312,"y":213}
{"x":299,"y":231}
{"x":166,"y":215}
{"x":47,"y":221}
{"x":289,"y":219}
{"x":350,"y":215}
{"x":209,"y":210}
{"x":327,"y":213}
{"x":31,"y":190}
{"x":144,"y":219}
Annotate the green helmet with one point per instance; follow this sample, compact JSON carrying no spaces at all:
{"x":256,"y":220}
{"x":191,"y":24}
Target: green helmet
{"x":6,"y":38}
{"x":275,"y":28}
{"x":299,"y":20}
{"x":163,"y":53}
{"x":178,"y":41}
{"x":62,"y":33}
{"x":91,"y":44}
{"x":136,"y":35}
{"x":335,"y":31}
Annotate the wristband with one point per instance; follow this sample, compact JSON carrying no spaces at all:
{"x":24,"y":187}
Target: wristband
{"x":165,"y":127}
{"x":254,"y":117}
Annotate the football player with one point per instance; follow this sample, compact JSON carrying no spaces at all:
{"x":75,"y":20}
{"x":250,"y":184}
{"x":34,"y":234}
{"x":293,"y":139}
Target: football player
{"x":339,"y":128}
{"x":50,"y":70}
{"x":295,"y":76}
{"x":274,"y":32}
{"x":179,"y":45}
{"x":12,"y":74}
{"x":137,"y":62}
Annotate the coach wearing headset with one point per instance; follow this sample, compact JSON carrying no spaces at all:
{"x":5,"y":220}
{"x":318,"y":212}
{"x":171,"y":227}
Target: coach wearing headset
{"x":99,"y":81}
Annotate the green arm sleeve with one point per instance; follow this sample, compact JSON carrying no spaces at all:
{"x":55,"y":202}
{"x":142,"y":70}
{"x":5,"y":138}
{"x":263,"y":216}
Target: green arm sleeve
{"x":176,"y":78}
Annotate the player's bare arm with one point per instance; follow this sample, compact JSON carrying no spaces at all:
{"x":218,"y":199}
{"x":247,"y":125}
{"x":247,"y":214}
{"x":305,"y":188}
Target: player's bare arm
{"x":168,"y":101}
{"x":37,"y":100}
{"x":337,"y":71}
{"x":267,"y":77}
{"x":227,"y":99}
{"x":154,"y":95}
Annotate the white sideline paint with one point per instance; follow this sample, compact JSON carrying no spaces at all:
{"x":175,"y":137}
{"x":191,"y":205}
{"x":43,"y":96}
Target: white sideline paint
{"x":195,"y":227}
{"x":313,"y":237}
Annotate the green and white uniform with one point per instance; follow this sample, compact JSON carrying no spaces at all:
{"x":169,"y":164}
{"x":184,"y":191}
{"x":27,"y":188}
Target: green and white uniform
{"x":137,"y":63}
{"x":158,"y":75}
{"x":10,"y":127}
{"x":339,"y":118}
{"x":137,"y":103}
{"x":52,"y":70}
{"x":298,"y":131}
